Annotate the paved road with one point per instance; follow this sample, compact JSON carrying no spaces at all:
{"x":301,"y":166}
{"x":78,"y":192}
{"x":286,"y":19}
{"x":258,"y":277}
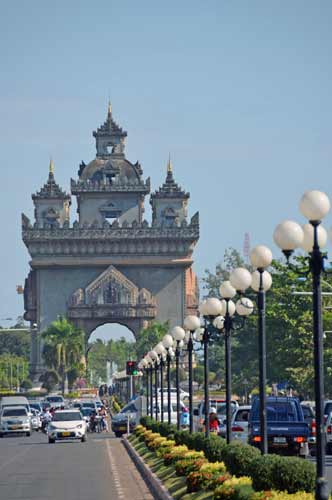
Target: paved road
{"x":32,"y":469}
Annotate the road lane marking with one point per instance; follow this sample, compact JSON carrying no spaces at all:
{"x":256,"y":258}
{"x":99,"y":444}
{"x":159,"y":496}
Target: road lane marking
{"x":114,"y":471}
{"x":2,"y":466}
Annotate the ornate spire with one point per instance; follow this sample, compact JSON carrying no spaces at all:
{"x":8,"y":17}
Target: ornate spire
{"x":109,"y":111}
{"x":169,"y":165}
{"x":51,"y":189}
{"x":170,"y":189}
{"x":110,"y":137}
{"x":51,"y":168}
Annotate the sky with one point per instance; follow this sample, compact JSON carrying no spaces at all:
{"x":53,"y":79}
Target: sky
{"x":239,"y":93}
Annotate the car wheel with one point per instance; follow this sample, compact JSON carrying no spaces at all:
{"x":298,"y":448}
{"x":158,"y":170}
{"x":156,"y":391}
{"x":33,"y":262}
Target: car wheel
{"x":1,"y":435}
{"x":83,"y":439}
{"x":51,"y":440}
{"x":118,"y":434}
{"x":28,"y":434}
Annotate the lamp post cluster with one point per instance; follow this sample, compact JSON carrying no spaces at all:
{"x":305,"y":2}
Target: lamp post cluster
{"x":219,"y":319}
{"x":312,"y":237}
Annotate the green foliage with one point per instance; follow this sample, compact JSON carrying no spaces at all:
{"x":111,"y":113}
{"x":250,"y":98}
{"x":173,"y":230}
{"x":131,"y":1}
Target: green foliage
{"x":149,"y":337}
{"x":288,"y":329}
{"x":15,"y":343}
{"x":267,"y":472}
{"x":26,"y":384}
{"x":115,"y":351}
{"x":49,"y":379}
{"x":13,"y":370}
{"x":282,"y":474}
{"x":63,"y":350}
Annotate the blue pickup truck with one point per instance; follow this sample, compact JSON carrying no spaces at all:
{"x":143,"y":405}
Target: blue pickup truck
{"x":287,"y":430}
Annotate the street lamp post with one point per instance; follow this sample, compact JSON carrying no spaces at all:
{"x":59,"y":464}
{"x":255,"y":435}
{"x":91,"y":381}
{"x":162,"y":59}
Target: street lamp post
{"x":240,"y":279}
{"x":154,"y":356}
{"x":191,"y":324}
{"x":311,"y":237}
{"x":161,"y":351}
{"x":210,"y":309}
{"x":261,"y":258}
{"x":178,"y":335}
{"x":168,"y":343}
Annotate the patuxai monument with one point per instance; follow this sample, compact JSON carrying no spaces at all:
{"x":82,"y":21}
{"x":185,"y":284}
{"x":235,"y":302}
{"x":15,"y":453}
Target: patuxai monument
{"x":110,"y":265}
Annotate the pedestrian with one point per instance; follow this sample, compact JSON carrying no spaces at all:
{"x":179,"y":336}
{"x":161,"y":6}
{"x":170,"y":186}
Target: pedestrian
{"x":184,"y":418}
{"x":213,"y":421}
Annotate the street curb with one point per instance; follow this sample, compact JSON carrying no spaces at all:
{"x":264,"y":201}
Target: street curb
{"x":156,"y":487}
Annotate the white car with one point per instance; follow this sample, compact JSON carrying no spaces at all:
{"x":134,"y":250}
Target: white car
{"x":35,"y":420}
{"x":67,"y":424}
{"x":183,"y":394}
{"x":240,"y":423}
{"x":15,"y":419}
{"x":55,"y":401}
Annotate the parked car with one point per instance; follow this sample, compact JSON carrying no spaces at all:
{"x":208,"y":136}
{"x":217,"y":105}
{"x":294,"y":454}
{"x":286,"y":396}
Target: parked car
{"x":173,"y":409}
{"x":220,"y":405}
{"x":287,"y":430}
{"x":240,"y":422}
{"x":89,"y":404}
{"x":67,"y":424}
{"x":15,"y":419}
{"x":86,"y":414}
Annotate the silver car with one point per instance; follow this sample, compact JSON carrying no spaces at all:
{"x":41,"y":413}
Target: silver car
{"x":240,"y":423}
{"x":15,"y":419}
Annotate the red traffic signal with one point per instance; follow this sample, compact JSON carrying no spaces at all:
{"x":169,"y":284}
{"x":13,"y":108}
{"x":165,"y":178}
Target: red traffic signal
{"x":131,"y":368}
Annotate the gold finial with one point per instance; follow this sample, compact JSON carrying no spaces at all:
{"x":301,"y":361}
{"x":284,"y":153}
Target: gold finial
{"x":109,"y":108}
{"x":51,"y":166}
{"x":169,"y":165}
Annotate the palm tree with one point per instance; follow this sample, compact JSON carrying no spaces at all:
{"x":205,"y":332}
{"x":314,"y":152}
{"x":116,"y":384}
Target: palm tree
{"x":64,"y":347}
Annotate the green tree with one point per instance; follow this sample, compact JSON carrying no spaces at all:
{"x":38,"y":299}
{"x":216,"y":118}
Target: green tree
{"x":149,"y":337}
{"x":288,"y":330}
{"x":64,"y":348}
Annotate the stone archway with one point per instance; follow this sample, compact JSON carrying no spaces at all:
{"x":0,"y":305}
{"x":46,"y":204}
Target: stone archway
{"x":111,"y":298}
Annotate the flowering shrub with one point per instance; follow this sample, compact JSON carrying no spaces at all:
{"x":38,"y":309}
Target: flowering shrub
{"x":186,"y":465}
{"x":165,"y":447}
{"x":154,"y":444}
{"x":282,"y":495}
{"x":175,"y":454}
{"x":206,"y":476}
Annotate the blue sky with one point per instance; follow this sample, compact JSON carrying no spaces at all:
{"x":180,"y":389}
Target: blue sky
{"x":238,"y":92}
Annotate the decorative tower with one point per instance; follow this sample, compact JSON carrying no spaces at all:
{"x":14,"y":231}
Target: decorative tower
{"x":169,"y":203}
{"x":110,"y":189}
{"x":52,"y":204}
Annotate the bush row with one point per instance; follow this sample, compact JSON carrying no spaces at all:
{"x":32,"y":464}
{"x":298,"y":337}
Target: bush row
{"x":267,"y":472}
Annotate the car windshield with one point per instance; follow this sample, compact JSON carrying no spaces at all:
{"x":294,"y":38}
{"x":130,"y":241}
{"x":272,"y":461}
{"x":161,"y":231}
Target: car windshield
{"x":242,"y":416}
{"x":86,"y":412}
{"x":55,"y":399}
{"x":328,"y":408}
{"x":88,"y":405}
{"x":66,"y":416}
{"x":278,"y":412}
{"x":18,"y":412}
{"x":36,"y":406}
{"x":220,"y":407}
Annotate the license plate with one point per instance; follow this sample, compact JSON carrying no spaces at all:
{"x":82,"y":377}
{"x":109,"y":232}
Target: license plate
{"x":64,"y":434}
{"x":13,"y":427}
{"x":122,"y":428}
{"x":280,"y":440}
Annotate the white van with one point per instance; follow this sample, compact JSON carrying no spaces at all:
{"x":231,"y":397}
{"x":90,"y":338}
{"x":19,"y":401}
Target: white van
{"x":15,"y":401}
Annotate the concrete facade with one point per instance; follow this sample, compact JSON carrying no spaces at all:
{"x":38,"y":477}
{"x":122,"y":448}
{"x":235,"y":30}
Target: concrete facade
{"x":111,"y":265}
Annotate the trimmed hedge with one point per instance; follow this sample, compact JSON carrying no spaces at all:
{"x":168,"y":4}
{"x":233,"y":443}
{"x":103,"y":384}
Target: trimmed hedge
{"x":267,"y":472}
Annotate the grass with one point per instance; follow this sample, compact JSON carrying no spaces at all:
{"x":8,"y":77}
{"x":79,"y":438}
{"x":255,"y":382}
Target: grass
{"x":174,"y":484}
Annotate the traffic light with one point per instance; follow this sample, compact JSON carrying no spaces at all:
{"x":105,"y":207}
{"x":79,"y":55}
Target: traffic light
{"x":131,"y":368}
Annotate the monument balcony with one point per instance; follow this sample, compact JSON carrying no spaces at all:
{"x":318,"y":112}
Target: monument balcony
{"x":105,"y":186}
{"x":112,"y":311}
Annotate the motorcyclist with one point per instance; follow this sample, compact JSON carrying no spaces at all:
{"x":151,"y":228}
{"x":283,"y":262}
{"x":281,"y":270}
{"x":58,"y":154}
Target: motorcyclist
{"x":46,"y":418}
